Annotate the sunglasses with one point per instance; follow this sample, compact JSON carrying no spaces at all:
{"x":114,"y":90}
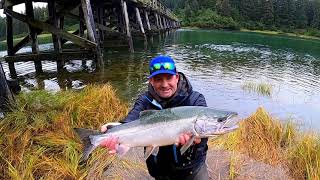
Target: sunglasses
{"x":165,"y":66}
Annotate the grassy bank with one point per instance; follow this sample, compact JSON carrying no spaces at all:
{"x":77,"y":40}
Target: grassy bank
{"x":265,"y":139}
{"x":37,"y":140}
{"x":42,"y":39}
{"x":300,"y":34}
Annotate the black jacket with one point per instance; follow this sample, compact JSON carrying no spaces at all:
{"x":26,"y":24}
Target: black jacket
{"x":169,"y":162}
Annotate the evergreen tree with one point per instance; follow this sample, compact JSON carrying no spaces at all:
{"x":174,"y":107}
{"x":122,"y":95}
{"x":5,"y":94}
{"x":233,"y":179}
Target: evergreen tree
{"x":223,"y":7}
{"x":267,"y":12}
{"x":301,"y":20}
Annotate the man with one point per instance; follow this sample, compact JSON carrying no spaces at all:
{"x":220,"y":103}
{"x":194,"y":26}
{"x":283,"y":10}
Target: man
{"x":167,"y":89}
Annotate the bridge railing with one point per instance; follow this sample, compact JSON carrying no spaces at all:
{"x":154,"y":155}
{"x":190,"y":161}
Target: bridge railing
{"x":158,"y":5}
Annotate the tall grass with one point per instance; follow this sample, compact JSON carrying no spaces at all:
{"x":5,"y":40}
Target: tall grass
{"x":264,"y":89}
{"x":268,"y":140}
{"x":37,"y":139}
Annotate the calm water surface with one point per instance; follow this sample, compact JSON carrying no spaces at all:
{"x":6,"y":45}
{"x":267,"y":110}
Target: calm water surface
{"x":217,"y":63}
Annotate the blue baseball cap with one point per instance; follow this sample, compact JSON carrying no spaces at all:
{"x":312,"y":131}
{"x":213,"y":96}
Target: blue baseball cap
{"x":162,"y":65}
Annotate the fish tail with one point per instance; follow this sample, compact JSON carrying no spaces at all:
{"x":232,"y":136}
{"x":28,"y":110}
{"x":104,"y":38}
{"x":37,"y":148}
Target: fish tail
{"x":84,"y":135}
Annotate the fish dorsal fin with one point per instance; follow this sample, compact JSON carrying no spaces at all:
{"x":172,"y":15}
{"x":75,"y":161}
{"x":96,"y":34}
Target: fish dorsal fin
{"x":147,"y":113}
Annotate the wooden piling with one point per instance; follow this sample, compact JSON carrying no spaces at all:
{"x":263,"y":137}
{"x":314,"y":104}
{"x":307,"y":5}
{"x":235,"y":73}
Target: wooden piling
{"x":157,"y":20}
{"x":12,"y":69}
{"x":147,"y":19}
{"x":165,"y":25}
{"x":33,"y":35}
{"x":101,"y":21}
{"x":81,"y":24}
{"x":56,"y":22}
{"x":91,"y":29}
{"x":126,"y":21}
{"x":139,"y":21}
{"x":160,"y":22}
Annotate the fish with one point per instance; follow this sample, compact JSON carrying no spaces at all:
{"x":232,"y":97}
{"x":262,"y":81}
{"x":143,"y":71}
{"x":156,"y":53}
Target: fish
{"x":155,"y":128}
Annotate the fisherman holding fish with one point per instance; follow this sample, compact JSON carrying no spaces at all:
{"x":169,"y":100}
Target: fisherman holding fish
{"x":169,"y":88}
{"x":171,"y":121}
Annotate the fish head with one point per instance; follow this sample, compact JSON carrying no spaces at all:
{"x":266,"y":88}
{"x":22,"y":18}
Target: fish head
{"x":215,"y":122}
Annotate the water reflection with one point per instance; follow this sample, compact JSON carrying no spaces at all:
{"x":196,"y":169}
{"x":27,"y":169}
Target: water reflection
{"x":217,"y":63}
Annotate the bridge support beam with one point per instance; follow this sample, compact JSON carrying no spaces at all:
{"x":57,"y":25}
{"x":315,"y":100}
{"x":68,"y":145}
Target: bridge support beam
{"x":100,"y":15}
{"x":81,"y":23}
{"x":91,"y":29}
{"x":140,"y":21}
{"x":12,"y":69}
{"x":127,"y":27}
{"x":33,"y":36}
{"x":157,"y":20}
{"x":58,"y":23}
{"x":147,"y":20}
{"x":160,"y":22}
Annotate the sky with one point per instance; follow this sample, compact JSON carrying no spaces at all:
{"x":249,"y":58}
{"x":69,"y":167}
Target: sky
{"x":21,"y":7}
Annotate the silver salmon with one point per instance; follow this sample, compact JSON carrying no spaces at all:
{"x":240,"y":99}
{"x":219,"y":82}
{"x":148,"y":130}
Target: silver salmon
{"x":156,"y":128}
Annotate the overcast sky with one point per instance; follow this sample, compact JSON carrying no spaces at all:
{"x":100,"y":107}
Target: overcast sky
{"x":21,"y":7}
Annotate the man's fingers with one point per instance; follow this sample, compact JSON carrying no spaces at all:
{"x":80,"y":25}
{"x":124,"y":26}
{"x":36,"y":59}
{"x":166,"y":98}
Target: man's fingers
{"x":110,"y":144}
{"x":197,"y":140}
{"x":104,"y":128}
{"x":107,"y":126}
{"x":182,"y":140}
{"x":113,"y":142}
{"x":186,"y":137}
{"x":105,"y":143}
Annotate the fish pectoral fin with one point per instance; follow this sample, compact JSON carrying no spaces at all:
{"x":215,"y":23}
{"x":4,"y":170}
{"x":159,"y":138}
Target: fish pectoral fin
{"x":186,"y":146}
{"x":151,"y":150}
{"x":122,"y":149}
{"x":155,"y":151}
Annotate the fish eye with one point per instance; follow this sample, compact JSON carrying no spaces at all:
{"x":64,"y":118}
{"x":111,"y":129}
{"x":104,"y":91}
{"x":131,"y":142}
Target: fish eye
{"x":222,"y":119}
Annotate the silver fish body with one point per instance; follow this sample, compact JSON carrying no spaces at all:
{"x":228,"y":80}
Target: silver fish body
{"x":156,"y":128}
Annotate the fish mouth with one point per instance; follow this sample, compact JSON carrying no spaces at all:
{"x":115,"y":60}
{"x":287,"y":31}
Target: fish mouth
{"x":230,"y":120}
{"x":230,"y":124}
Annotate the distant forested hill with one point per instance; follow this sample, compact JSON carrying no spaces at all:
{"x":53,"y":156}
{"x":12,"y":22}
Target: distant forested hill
{"x":285,"y":15}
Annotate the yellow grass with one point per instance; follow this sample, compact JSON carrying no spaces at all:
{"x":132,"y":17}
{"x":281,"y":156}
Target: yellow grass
{"x":266,"y":139}
{"x":37,"y":140}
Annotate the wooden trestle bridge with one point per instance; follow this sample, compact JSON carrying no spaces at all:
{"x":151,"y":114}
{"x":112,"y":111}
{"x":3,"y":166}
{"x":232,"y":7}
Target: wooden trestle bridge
{"x":98,"y":18}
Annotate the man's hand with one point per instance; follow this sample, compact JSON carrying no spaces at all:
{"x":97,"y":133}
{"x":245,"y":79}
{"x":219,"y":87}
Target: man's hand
{"x":184,"y":138}
{"x":111,"y":142}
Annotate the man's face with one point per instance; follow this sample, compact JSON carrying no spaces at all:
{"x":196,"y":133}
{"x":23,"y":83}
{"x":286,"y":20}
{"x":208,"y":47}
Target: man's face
{"x":165,"y":85}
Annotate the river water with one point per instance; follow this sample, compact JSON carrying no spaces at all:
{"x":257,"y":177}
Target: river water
{"x":218,"y":64}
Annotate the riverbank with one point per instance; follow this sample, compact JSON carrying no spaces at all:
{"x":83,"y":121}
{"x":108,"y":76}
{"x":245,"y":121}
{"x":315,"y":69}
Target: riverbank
{"x":268,"y":32}
{"x":38,"y":142}
{"x":46,"y":38}
{"x":282,"y":33}
{"x":42,"y":39}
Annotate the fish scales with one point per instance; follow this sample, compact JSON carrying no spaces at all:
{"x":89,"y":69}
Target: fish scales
{"x":163,"y":127}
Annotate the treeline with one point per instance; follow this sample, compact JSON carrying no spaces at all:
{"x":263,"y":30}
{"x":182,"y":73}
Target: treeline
{"x":21,"y":28}
{"x":285,"y":15}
